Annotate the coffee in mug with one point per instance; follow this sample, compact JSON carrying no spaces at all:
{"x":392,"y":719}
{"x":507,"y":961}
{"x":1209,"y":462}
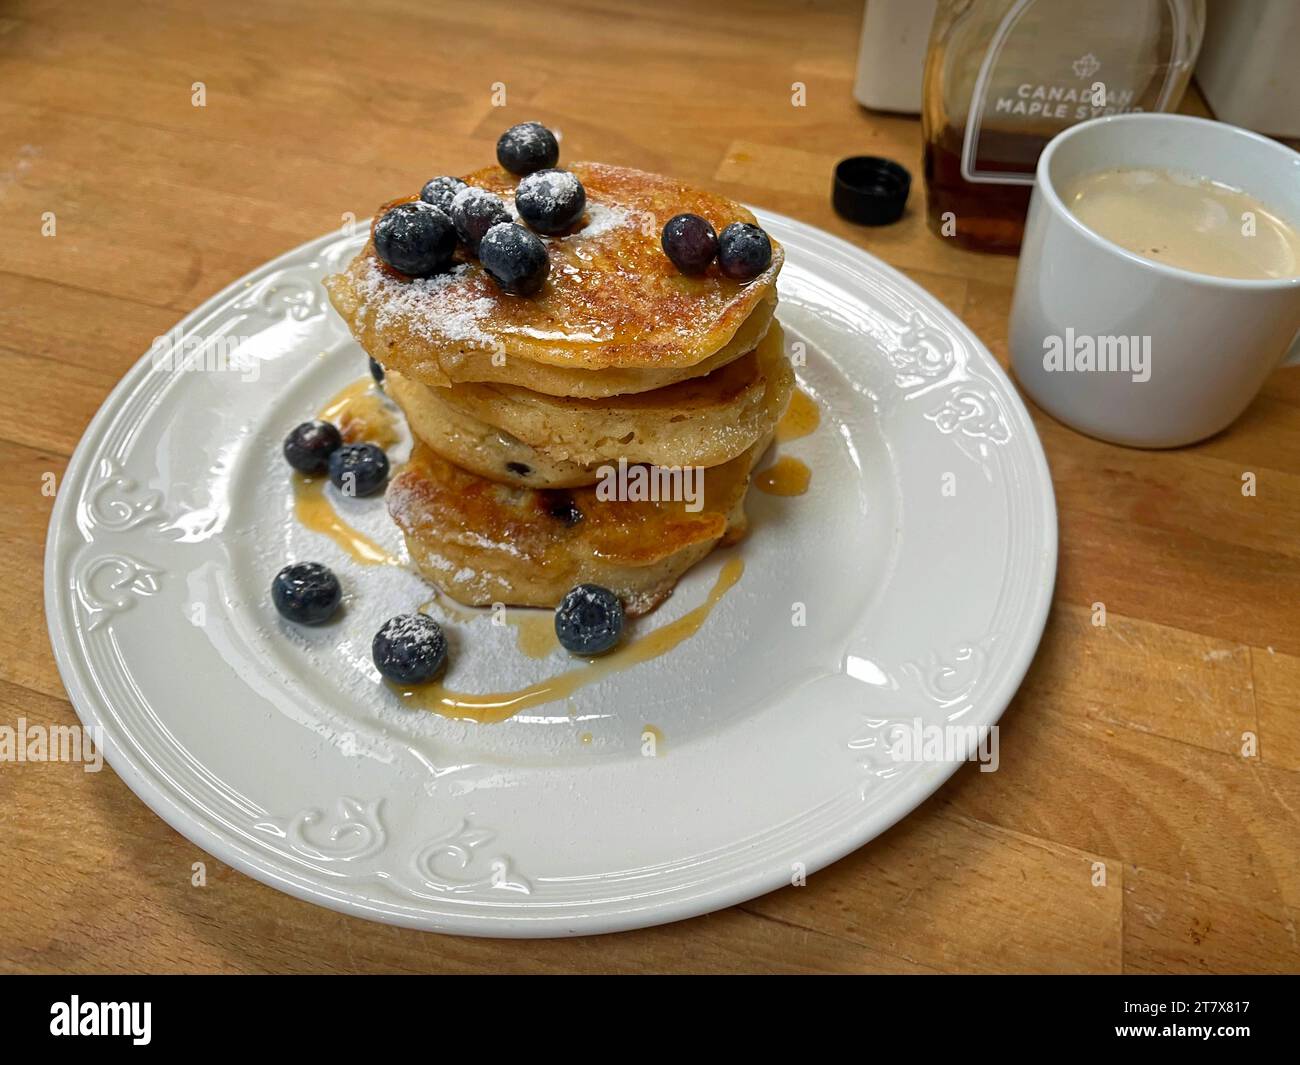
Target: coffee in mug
{"x":1187,"y":221}
{"x":1143,"y":313}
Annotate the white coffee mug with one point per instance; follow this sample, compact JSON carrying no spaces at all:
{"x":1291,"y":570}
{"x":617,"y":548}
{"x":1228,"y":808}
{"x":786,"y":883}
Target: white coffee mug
{"x":1211,"y":341}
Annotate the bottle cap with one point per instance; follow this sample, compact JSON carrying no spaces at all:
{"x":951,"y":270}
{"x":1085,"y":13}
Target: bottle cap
{"x":869,"y":190}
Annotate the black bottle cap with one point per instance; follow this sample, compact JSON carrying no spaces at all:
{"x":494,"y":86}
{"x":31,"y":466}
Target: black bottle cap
{"x":869,"y":190}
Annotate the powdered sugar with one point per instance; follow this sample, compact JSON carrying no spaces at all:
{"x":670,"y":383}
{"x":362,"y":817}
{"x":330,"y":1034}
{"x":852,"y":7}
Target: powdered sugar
{"x":453,"y":307}
{"x":530,"y":134}
{"x":436,"y":308}
{"x":549,"y":188}
{"x":473,"y":192}
{"x":404,"y":504}
{"x":413,"y":629}
{"x":600,"y":220}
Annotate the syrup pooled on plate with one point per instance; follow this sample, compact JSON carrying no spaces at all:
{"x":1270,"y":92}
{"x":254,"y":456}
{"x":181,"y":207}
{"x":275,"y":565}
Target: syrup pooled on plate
{"x":313,"y":509}
{"x":789,"y":476}
{"x":498,"y":706}
{"x":534,"y":631}
{"x":786,"y":477}
{"x":800,"y":418}
{"x":361,"y":414}
{"x":363,"y":410}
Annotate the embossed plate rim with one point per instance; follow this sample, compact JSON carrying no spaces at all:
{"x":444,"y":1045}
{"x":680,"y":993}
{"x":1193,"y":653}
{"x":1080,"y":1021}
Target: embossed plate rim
{"x":714,"y":891}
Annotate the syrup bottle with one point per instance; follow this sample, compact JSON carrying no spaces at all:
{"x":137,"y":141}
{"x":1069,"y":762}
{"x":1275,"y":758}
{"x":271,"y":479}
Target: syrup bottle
{"x":1002,"y":77}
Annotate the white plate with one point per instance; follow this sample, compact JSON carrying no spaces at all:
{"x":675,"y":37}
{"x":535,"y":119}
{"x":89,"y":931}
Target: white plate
{"x":278,"y":750}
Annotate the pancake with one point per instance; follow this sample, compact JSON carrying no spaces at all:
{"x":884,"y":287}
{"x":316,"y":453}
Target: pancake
{"x":481,"y":366}
{"x":705,"y":421}
{"x":483,"y":542}
{"x":476,"y":446}
{"x":613,"y":300}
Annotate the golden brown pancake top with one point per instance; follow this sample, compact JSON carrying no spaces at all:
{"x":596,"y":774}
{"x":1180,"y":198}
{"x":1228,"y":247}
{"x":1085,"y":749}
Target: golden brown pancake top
{"x":613,"y":298}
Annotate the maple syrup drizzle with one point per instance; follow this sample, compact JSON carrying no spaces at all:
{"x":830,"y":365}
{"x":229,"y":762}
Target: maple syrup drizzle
{"x":788,"y":476}
{"x":361,"y":413}
{"x":785,"y":477}
{"x":492,"y":707}
{"x":534,"y":631}
{"x":313,"y":509}
{"x":799,"y":419}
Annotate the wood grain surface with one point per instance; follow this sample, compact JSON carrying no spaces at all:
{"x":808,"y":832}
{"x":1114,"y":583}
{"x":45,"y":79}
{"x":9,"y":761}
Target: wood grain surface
{"x":1125,"y":744}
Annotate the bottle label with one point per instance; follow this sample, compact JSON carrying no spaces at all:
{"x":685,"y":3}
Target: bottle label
{"x":1011,"y":118}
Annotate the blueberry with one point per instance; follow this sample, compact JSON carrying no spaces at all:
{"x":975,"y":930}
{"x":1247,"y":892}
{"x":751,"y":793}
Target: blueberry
{"x":527,"y":147}
{"x":309,"y":447}
{"x":306,"y":592}
{"x":359,"y":469}
{"x":744,"y":251}
{"x":415,"y":239}
{"x":690,"y":242}
{"x":589,"y":620}
{"x":376,"y":371}
{"x":514,"y":258}
{"x":441,"y":191}
{"x":409,"y":649}
{"x":474,"y":212}
{"x":560,"y":505}
{"x":550,"y":200}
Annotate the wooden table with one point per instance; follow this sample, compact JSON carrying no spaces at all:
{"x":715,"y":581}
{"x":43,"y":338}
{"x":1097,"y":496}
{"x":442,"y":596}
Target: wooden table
{"x":1124,"y":745}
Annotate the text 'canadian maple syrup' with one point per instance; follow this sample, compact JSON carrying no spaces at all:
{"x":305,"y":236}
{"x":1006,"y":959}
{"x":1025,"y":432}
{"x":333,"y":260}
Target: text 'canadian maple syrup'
{"x":1003,"y":77}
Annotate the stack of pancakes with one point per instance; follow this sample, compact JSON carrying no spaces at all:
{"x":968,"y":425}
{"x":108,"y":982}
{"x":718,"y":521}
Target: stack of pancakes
{"x":519,"y":405}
